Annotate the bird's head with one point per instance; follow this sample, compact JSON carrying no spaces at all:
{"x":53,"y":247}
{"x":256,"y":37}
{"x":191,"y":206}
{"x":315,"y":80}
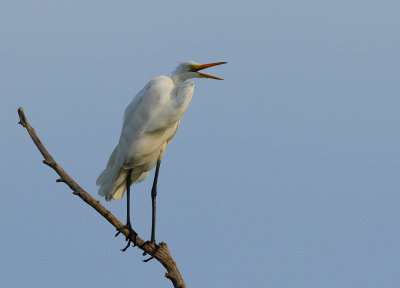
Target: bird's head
{"x":189,"y":69}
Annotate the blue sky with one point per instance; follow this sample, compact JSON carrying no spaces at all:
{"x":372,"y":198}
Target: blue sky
{"x":285,"y":174}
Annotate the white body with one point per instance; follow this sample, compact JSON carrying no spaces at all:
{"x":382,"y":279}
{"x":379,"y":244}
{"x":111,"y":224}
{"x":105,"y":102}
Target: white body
{"x":150,"y":122}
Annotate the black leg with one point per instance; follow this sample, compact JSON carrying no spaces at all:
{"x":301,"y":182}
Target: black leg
{"x":153,"y":202}
{"x":128,"y":216}
{"x":153,"y":218}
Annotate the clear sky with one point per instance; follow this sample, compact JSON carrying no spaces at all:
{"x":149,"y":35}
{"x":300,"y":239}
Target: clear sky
{"x":286,"y":174}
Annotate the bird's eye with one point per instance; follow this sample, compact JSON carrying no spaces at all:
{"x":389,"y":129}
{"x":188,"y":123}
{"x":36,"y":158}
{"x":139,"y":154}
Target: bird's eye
{"x":190,"y":67}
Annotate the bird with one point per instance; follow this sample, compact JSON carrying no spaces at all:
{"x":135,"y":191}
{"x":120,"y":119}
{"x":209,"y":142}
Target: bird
{"x":149,"y":123}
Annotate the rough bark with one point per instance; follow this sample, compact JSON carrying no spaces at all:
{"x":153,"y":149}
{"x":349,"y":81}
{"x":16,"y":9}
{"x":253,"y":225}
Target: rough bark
{"x":163,"y":254}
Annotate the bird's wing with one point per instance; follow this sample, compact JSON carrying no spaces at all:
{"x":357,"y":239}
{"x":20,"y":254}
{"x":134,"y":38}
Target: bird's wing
{"x":140,"y":118}
{"x":148,"y":101}
{"x":135,"y":141}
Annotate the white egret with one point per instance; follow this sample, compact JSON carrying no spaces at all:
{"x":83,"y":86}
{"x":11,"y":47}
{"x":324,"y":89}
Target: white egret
{"x":150,"y":122}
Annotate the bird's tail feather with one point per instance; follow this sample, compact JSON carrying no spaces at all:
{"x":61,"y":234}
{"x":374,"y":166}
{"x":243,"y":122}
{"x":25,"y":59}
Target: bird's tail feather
{"x":112,"y":180}
{"x":112,"y":183}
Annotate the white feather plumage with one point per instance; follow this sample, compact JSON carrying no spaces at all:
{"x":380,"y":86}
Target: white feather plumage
{"x":150,"y":121}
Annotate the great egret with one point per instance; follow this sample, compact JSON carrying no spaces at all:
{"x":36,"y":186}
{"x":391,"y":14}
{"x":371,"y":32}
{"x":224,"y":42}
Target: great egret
{"x":150,"y":122}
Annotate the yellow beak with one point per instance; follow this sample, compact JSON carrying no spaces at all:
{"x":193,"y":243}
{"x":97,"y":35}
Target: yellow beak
{"x":204,"y":66}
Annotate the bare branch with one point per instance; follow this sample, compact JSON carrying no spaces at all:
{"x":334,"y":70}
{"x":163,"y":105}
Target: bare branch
{"x":163,"y":255}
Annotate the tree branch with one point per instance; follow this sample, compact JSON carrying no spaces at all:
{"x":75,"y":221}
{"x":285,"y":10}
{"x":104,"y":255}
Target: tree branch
{"x":163,"y":255}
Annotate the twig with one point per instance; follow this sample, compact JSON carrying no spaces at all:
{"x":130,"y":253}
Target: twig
{"x":163,"y":255}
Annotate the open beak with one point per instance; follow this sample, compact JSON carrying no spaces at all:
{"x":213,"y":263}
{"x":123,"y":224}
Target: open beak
{"x":204,"y":66}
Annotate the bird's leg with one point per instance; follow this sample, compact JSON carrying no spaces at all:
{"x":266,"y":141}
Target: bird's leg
{"x":153,"y":218}
{"x":153,"y":202}
{"x":128,"y":217}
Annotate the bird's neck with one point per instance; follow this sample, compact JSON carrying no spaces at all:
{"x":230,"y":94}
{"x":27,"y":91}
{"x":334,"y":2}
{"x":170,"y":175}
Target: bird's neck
{"x":178,"y":80}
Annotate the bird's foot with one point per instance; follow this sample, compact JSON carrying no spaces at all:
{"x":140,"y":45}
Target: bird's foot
{"x":129,"y":237}
{"x":155,"y":250}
